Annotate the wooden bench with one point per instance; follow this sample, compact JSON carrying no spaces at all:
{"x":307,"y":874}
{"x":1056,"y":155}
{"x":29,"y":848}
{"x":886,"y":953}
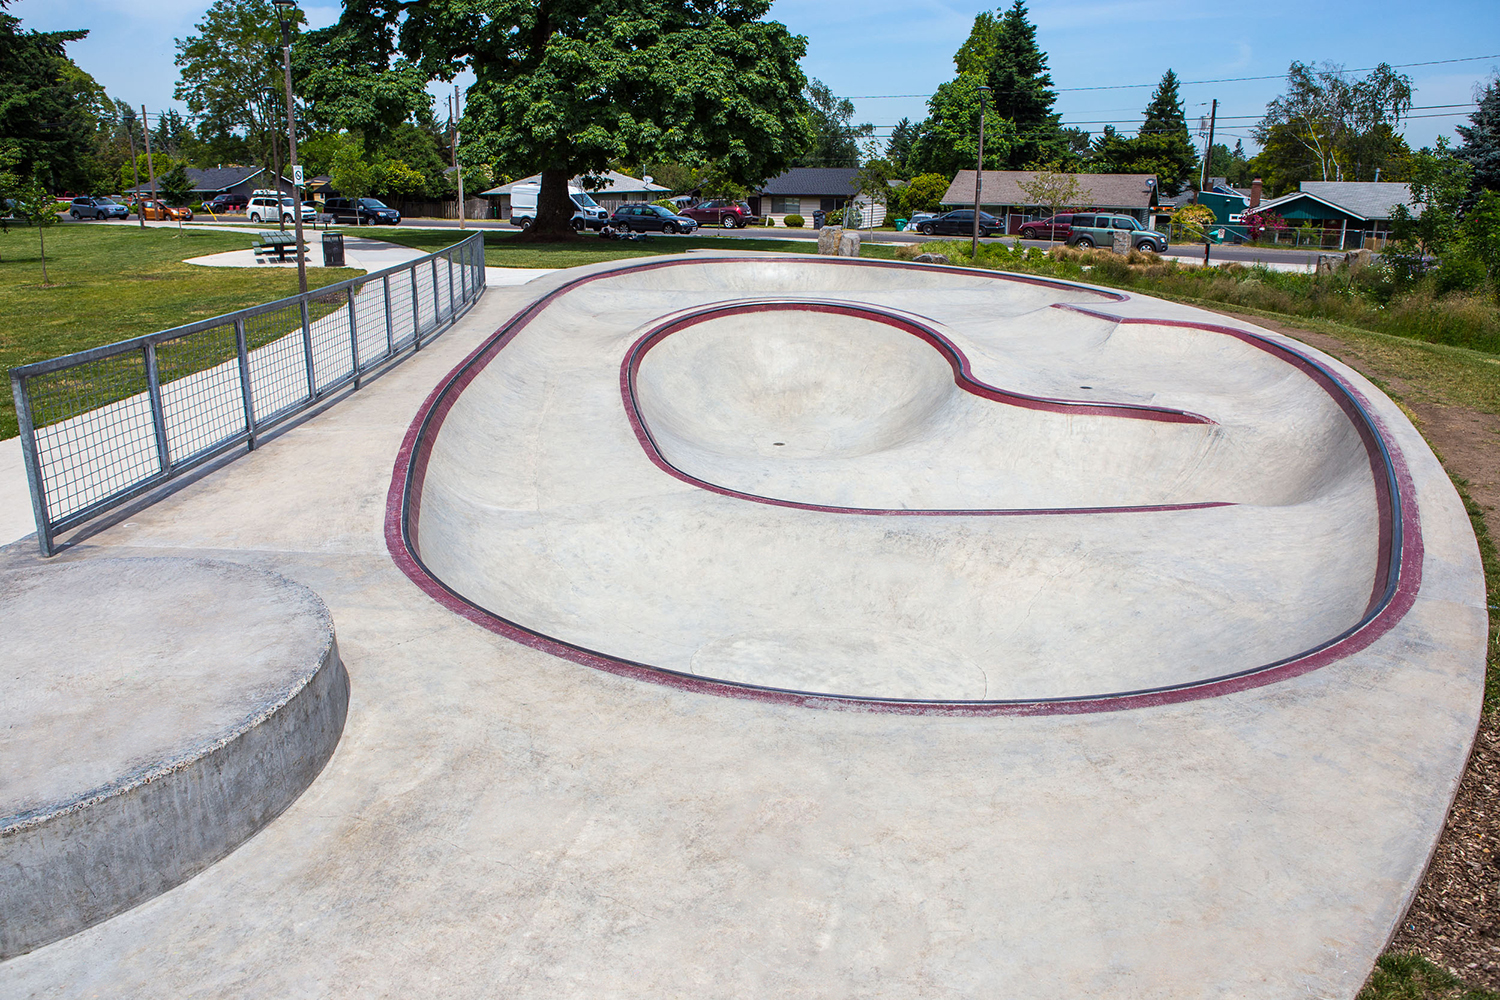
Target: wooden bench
{"x":271,"y":243}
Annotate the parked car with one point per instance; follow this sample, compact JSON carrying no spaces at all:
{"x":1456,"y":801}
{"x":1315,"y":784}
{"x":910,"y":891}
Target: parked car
{"x":227,"y":204}
{"x":273,"y":206}
{"x":651,"y":219}
{"x":361,"y":211}
{"x":959,"y":223}
{"x":917,"y":218}
{"x":96,"y":207}
{"x":160,"y":210}
{"x":721,"y":212}
{"x":1055,"y":227}
{"x":11,"y":211}
{"x":587,"y":213}
{"x":1089,"y":230}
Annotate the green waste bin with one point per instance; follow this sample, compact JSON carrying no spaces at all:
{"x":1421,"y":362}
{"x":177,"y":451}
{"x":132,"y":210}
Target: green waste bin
{"x":900,"y":225}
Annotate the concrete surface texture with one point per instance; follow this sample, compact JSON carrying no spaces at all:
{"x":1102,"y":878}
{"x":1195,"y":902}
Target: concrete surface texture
{"x":500,"y":819}
{"x":157,"y":713}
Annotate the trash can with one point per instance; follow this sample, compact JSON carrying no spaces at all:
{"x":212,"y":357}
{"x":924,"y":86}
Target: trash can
{"x":900,"y":225}
{"x":818,"y":216}
{"x":333,"y":248}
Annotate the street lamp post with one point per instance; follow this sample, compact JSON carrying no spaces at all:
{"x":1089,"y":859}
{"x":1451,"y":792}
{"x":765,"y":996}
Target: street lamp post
{"x":282,"y":8}
{"x":978,"y":178}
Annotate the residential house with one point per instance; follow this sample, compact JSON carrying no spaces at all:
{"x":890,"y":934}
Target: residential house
{"x":1343,"y":214}
{"x":804,"y":190}
{"x":1003,"y":196}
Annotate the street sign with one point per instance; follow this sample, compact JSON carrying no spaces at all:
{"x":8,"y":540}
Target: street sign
{"x":297,"y":175}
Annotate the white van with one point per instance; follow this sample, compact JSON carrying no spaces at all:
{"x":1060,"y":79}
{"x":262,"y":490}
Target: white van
{"x":587,"y":212}
{"x":273,"y":206}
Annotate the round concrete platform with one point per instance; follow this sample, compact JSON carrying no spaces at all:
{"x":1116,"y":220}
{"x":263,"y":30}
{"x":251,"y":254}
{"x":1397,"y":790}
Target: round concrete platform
{"x":158,"y":712}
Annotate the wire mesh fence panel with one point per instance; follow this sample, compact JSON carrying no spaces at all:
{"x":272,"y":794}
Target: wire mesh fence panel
{"x":369,"y":323}
{"x":426,"y":311}
{"x":202,"y":400}
{"x":278,"y":365}
{"x":332,"y":340}
{"x":403,"y":320}
{"x":96,"y":428}
{"x":94,"y":433}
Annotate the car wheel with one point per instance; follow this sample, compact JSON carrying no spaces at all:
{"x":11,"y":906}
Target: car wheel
{"x":577,"y":225}
{"x":525,"y":224}
{"x":669,"y":228}
{"x":255,"y":217}
{"x":74,"y":214}
{"x":729,"y":221}
{"x":1085,"y":242}
{"x":925,"y":229}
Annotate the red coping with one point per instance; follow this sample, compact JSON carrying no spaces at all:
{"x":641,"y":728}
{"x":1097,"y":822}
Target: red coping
{"x":1390,"y":600}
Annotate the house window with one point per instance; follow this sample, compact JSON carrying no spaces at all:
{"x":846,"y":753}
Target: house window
{"x":829,"y":204}
{"x":785,"y":206}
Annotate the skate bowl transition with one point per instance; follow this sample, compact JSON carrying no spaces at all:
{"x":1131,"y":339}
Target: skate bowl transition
{"x":905,"y":487}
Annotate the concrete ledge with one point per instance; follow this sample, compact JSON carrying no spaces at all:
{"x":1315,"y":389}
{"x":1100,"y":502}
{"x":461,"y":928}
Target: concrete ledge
{"x":160,"y":712}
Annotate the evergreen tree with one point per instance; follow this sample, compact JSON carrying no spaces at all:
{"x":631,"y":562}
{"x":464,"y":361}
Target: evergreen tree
{"x":1021,"y":89}
{"x":1163,"y":146}
{"x":1481,"y":148}
{"x":898,"y":150}
{"x":48,"y":123}
{"x":837,"y":142}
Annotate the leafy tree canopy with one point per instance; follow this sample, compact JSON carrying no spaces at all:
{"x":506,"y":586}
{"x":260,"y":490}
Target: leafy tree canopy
{"x":1330,"y":125}
{"x":835,"y":136}
{"x":949,"y":138}
{"x":46,"y":105}
{"x":567,"y":86}
{"x":1002,"y":50}
{"x":351,"y":85}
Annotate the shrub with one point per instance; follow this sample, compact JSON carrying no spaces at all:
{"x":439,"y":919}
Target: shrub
{"x":794,"y":221}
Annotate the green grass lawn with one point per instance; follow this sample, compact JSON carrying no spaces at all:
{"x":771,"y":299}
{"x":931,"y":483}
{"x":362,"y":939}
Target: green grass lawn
{"x":111,"y":283}
{"x":502,"y":249}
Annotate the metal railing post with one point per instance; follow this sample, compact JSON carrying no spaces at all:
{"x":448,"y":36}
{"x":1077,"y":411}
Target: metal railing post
{"x":437,"y":299}
{"x":307,"y":354}
{"x":390,"y":326}
{"x":247,"y":393}
{"x":33,"y":463}
{"x":353,"y":336}
{"x":452,"y":302}
{"x":158,"y":414}
{"x":463,"y":272}
{"x":416,"y":313}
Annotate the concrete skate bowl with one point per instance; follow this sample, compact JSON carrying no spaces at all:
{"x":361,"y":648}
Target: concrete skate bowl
{"x":904,"y":488}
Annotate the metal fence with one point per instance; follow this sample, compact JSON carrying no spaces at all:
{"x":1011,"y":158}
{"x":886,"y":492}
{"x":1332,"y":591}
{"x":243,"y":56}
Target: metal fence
{"x":101,"y":427}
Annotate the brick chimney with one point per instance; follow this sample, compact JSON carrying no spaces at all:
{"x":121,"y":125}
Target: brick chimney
{"x":1255,"y":192}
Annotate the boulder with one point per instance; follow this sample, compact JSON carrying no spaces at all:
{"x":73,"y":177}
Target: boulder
{"x":931,"y":258}
{"x":828,"y":240}
{"x":849,"y":243}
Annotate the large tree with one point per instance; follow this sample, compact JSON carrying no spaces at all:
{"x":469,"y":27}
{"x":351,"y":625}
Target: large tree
{"x":835,"y":136}
{"x":1331,"y":125}
{"x":46,"y":117}
{"x":1003,"y":51}
{"x":1162,"y":146}
{"x":1481,"y":138}
{"x":948,"y":141}
{"x":352,"y":81}
{"x":565,"y":87}
{"x":231,"y":75}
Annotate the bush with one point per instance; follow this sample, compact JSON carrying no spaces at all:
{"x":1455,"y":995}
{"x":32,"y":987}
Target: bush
{"x":665,"y":203}
{"x":794,"y":221}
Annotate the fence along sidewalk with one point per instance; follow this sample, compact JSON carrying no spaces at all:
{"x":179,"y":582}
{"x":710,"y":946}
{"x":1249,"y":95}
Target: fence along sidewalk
{"x":103,"y":426}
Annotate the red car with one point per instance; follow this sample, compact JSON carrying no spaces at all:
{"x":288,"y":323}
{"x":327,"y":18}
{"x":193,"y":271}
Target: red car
{"x":721,"y":212}
{"x":1059,"y":227}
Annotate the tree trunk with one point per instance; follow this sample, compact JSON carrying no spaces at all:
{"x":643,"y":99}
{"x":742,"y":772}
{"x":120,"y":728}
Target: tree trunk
{"x":43,"y":238}
{"x":554,"y":209}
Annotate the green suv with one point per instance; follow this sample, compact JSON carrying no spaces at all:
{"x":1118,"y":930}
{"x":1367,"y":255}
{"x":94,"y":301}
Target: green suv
{"x":1091,"y":230}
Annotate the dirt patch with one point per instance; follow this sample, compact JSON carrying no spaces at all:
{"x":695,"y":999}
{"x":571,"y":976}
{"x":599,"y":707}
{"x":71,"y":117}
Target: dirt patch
{"x":1455,"y":919}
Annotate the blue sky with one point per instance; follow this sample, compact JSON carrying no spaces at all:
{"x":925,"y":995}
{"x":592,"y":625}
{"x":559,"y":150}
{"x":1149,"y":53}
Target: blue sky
{"x":905,"y":47}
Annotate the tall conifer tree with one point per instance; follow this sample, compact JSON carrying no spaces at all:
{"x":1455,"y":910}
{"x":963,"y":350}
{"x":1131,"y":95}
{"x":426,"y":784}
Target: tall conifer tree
{"x":1163,"y":146}
{"x":1022,"y":89}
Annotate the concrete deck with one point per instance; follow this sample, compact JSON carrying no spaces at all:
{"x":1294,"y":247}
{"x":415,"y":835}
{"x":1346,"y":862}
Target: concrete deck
{"x":499,"y":820}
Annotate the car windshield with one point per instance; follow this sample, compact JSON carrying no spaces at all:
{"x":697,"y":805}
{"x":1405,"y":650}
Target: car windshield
{"x":583,"y":200}
{"x":105,"y":201}
{"x":665,"y":213}
{"x":1127,"y":224}
{"x":373,"y":203}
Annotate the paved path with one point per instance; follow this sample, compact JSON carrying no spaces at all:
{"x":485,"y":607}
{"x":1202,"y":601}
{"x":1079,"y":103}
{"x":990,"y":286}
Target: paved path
{"x":499,"y":821}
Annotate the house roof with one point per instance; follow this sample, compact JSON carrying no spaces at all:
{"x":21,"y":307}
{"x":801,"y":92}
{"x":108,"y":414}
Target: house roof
{"x":1364,"y":199}
{"x":614,"y":183}
{"x":813,"y":181}
{"x":1003,"y":187}
{"x":211,"y":181}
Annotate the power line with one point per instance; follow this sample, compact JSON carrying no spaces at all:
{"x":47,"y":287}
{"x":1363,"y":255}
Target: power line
{"x":1197,"y":83}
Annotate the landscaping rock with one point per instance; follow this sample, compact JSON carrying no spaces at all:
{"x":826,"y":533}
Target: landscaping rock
{"x":931,"y":258}
{"x":828,"y":240}
{"x":848,"y":243}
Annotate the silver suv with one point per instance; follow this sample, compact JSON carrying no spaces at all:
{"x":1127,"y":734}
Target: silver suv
{"x":1091,"y":230}
{"x":272,"y":206}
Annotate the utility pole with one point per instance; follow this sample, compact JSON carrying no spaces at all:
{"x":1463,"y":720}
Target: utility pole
{"x":1208,"y":153}
{"x":150,"y":170}
{"x":453,"y":113}
{"x":291,"y":132}
{"x":135,"y":170}
{"x":978,"y":178}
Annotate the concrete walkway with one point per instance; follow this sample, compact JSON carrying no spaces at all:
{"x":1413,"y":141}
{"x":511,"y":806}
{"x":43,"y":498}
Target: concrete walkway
{"x":499,"y":821}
